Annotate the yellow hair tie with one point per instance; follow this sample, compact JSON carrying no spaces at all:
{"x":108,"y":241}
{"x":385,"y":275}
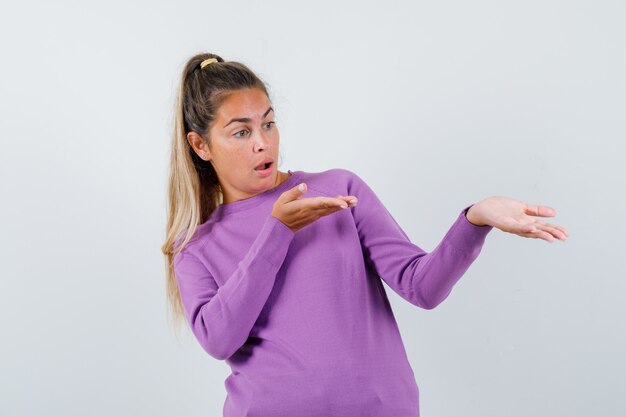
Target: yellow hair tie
{"x":207,"y":62}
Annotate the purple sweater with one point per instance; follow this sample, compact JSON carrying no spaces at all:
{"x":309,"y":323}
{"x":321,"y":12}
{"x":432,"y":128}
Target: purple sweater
{"x":303,"y":319}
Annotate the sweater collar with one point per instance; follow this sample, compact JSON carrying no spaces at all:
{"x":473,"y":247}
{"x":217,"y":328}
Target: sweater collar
{"x":271,"y":194}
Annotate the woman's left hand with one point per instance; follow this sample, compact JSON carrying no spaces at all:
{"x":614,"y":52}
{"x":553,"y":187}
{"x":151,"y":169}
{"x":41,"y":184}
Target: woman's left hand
{"x":514,"y":216}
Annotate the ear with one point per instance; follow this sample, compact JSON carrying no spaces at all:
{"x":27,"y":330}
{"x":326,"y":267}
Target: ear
{"x":199,"y":145}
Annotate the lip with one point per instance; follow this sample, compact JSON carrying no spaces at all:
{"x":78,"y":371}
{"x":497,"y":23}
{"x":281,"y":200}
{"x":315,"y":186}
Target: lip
{"x":265,"y":172}
{"x":264,"y":161}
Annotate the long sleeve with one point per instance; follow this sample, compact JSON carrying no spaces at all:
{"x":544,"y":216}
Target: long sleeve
{"x":221,"y":318}
{"x":424,"y":279}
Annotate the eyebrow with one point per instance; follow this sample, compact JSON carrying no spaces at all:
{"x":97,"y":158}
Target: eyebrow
{"x":246,"y":119}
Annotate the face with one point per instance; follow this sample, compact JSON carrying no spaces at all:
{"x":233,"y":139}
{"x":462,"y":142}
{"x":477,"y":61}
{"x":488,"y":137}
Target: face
{"x":243,"y":135}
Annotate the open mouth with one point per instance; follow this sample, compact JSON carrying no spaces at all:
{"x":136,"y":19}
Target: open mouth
{"x":263,"y":166}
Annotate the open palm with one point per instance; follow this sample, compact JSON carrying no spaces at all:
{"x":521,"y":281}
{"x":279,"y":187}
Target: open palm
{"x":514,"y":216}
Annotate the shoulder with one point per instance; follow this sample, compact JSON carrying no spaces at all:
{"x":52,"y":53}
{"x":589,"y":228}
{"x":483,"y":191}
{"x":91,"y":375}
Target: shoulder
{"x":193,"y":248}
{"x":187,"y":250}
{"x":333,"y":181}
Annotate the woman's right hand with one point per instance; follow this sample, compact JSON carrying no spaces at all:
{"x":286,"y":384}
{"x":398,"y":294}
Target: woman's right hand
{"x":297,"y":212}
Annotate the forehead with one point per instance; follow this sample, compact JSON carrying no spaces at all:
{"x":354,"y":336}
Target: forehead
{"x":248,"y":103}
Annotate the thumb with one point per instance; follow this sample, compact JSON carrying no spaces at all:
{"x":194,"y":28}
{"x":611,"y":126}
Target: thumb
{"x":293,"y":193}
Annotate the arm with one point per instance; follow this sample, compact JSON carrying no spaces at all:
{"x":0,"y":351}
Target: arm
{"x":424,"y":279}
{"x":221,"y":318}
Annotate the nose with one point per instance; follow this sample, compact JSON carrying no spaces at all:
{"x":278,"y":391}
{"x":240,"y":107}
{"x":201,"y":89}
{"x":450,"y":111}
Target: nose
{"x":261,"y":142}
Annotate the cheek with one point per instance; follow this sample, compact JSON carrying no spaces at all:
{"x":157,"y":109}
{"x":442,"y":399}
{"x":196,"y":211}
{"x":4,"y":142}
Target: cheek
{"x":234,"y":160}
{"x":275,"y":139}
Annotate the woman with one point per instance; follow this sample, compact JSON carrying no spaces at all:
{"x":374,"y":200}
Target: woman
{"x":279,"y":273}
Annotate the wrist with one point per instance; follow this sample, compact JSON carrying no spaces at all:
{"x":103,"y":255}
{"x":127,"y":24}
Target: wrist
{"x":472,"y":216}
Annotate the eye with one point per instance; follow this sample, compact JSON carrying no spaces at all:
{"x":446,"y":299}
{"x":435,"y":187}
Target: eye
{"x":268,"y":124}
{"x":237,"y":133}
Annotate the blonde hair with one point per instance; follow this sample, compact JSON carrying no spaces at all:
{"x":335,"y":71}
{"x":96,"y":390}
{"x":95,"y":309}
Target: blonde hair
{"x":193,"y":190}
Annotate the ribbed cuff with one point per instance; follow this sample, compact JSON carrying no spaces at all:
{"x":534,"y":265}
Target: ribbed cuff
{"x":466,"y":236}
{"x":273,"y":240}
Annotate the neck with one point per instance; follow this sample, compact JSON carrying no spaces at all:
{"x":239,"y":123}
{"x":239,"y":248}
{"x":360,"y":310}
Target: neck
{"x":280,"y":178}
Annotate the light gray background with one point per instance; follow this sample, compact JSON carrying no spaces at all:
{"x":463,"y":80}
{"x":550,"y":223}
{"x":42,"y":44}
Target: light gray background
{"x":435,"y":104}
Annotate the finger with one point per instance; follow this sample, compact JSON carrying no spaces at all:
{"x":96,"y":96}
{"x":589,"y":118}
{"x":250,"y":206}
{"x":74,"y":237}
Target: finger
{"x":324,"y":211}
{"x":528,"y":228}
{"x":552,"y":230}
{"x":562,"y":229}
{"x":541,"y":234}
{"x":350,"y":199}
{"x":541,"y":211}
{"x":556,"y":226}
{"x":328,"y":202}
{"x":316,"y":213}
{"x":560,"y":232}
{"x":293,"y":193}
{"x":557,"y":231}
{"x":317,"y":205}
{"x":532,"y":230}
